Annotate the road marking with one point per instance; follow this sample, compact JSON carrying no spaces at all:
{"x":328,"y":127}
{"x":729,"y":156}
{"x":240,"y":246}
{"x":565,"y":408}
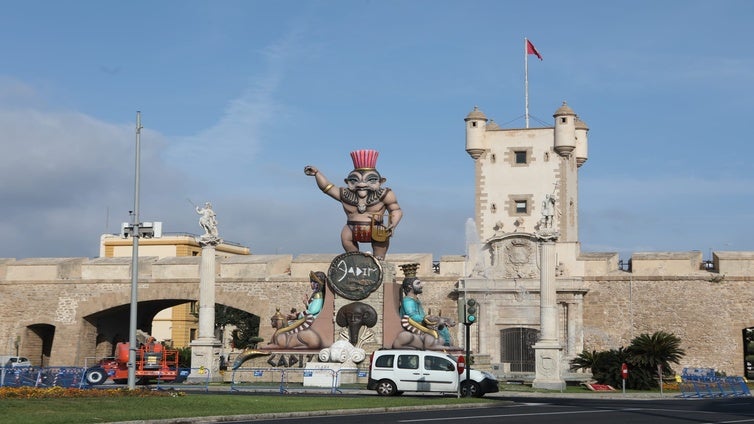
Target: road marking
{"x":600,"y":411}
{"x":502,"y":416}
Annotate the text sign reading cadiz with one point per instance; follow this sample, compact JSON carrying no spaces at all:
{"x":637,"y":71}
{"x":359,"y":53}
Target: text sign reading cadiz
{"x":355,"y":275}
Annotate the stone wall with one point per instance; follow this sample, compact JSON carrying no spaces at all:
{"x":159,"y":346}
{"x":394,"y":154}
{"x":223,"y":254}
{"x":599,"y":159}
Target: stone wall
{"x":706,"y":308}
{"x":707,"y":315}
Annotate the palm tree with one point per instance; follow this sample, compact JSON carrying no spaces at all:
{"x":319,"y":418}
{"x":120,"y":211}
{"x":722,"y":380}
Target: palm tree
{"x":658,"y":349}
{"x":654,"y":353}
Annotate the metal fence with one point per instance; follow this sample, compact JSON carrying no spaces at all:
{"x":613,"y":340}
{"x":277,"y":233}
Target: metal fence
{"x":290,"y":380}
{"x":75,"y":377}
{"x":706,"y":383}
{"x":42,"y":377}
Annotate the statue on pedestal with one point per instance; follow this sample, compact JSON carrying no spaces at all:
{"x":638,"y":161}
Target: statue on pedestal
{"x":365,"y":202}
{"x":208,"y":222}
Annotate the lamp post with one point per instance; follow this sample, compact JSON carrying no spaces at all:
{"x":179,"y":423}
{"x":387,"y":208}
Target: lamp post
{"x":134,"y":264}
{"x":135,"y":230}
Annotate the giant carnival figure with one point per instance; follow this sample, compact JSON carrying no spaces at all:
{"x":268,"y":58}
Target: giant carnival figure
{"x":299,"y":334}
{"x":420,"y":331}
{"x":365,"y":202}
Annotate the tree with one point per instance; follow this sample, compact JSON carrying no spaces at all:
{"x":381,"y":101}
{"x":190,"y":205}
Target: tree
{"x":643,"y":356}
{"x":651,"y":356}
{"x":604,"y":365}
{"x":246,"y":333}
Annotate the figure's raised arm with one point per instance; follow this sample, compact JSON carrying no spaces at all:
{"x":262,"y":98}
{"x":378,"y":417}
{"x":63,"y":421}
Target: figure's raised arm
{"x":323,"y":183}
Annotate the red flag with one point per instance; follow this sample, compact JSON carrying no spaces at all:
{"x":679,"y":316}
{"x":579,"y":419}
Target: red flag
{"x":530,"y":49}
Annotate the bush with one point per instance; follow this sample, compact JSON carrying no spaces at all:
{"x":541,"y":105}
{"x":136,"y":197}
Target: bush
{"x":644,"y":356}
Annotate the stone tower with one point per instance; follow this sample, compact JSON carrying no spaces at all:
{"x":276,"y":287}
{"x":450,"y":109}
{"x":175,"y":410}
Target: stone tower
{"x":526,"y":191}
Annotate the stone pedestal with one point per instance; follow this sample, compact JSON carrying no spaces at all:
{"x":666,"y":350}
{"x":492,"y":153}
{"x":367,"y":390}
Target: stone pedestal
{"x":548,"y":350}
{"x":205,"y":350}
{"x":205,"y":361}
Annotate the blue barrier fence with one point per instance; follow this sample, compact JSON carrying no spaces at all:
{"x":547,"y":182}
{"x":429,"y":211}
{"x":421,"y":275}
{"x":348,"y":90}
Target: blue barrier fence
{"x":75,"y":377}
{"x":706,"y":383}
{"x":42,"y":377}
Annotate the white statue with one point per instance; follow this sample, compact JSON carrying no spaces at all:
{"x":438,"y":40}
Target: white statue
{"x":208,"y":221}
{"x":548,"y":211}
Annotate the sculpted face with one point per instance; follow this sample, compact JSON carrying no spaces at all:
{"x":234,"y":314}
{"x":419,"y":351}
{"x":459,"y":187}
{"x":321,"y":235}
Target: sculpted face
{"x":362,"y":182}
{"x":418,"y":285}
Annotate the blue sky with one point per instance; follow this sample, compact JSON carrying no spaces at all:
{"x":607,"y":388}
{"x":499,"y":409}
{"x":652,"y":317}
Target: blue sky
{"x":238,"y":96}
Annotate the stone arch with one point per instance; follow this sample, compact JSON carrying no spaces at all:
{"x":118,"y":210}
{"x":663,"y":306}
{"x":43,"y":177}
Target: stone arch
{"x":36,"y":343}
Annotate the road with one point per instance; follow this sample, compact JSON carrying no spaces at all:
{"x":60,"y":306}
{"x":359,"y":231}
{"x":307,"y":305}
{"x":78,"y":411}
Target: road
{"x":557,"y":411}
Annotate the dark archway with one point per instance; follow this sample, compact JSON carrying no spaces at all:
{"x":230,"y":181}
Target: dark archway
{"x":516,"y":348}
{"x":111,"y":326}
{"x":37,"y":343}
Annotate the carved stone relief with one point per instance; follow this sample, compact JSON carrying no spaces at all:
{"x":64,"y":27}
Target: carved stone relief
{"x":514,"y":258}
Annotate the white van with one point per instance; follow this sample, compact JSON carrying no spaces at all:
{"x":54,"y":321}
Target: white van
{"x":14,"y":361}
{"x":392,"y":372}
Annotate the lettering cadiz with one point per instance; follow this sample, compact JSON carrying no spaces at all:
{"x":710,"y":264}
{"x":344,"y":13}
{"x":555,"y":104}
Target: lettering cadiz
{"x":355,"y":275}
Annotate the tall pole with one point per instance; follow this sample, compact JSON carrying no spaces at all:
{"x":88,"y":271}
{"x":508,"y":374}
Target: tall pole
{"x":134,"y":265}
{"x":468,"y":357}
{"x":526,"y":80}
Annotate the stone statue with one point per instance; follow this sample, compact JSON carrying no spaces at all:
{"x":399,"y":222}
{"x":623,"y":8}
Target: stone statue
{"x":548,"y":211}
{"x":421,"y":331}
{"x":365,"y":202}
{"x":208,"y":220}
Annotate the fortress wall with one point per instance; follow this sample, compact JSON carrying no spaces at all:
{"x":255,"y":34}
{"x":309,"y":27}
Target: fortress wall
{"x":734,"y":263}
{"x":707,"y":310}
{"x":707,"y":316}
{"x":667,"y":263}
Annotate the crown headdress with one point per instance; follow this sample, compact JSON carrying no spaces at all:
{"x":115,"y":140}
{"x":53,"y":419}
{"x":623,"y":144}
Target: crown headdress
{"x":364,"y":159}
{"x":409,"y":270}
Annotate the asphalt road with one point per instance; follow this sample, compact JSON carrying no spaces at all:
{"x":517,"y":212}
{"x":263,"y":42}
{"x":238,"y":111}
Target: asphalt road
{"x":534,"y":410}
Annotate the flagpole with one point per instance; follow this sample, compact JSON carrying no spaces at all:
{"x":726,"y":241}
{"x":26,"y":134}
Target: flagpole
{"x":526,"y":80}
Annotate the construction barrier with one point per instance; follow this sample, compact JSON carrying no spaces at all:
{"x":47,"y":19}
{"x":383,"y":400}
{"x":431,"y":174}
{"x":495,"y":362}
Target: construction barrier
{"x":289,"y":380}
{"x":705,"y":383}
{"x":42,"y":377}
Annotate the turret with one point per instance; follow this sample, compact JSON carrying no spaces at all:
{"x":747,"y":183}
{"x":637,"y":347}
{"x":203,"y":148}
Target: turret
{"x":476,"y":125}
{"x":565,"y":130}
{"x":581,"y":151}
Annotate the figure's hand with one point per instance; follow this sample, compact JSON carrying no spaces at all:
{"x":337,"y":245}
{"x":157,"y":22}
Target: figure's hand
{"x":310,"y":170}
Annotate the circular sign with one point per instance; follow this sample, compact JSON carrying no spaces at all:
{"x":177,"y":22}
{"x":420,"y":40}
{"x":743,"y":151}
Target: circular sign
{"x":354,"y":275}
{"x":461,"y":364}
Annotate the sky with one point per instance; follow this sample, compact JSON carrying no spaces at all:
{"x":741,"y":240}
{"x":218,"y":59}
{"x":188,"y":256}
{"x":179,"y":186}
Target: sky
{"x":236,"y":97}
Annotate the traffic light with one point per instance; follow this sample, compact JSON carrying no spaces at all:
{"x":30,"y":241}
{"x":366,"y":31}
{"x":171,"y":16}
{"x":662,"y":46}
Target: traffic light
{"x":472,"y":311}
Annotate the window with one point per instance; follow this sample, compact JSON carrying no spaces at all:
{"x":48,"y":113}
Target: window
{"x":521,"y":206}
{"x":438,"y":364}
{"x":520,"y":156}
{"x":410,"y":362}
{"x":384,"y":361}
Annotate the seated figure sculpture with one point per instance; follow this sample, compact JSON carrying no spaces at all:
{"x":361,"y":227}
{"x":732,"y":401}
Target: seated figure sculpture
{"x":420,"y":330}
{"x":299,"y":334}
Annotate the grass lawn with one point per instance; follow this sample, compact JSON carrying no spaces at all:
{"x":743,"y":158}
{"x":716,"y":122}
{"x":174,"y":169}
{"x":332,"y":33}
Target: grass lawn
{"x":101,"y":410}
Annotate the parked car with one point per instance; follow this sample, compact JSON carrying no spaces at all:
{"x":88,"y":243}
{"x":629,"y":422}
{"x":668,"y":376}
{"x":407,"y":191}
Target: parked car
{"x":14,"y":361}
{"x":392,"y":372}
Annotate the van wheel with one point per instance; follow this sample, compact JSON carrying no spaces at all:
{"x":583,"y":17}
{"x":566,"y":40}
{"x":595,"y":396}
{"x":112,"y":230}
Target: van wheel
{"x":471,"y":388}
{"x":386,"y":388}
{"x":95,"y":376}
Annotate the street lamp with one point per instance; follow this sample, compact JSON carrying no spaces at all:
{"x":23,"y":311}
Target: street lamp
{"x":135,"y":230}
